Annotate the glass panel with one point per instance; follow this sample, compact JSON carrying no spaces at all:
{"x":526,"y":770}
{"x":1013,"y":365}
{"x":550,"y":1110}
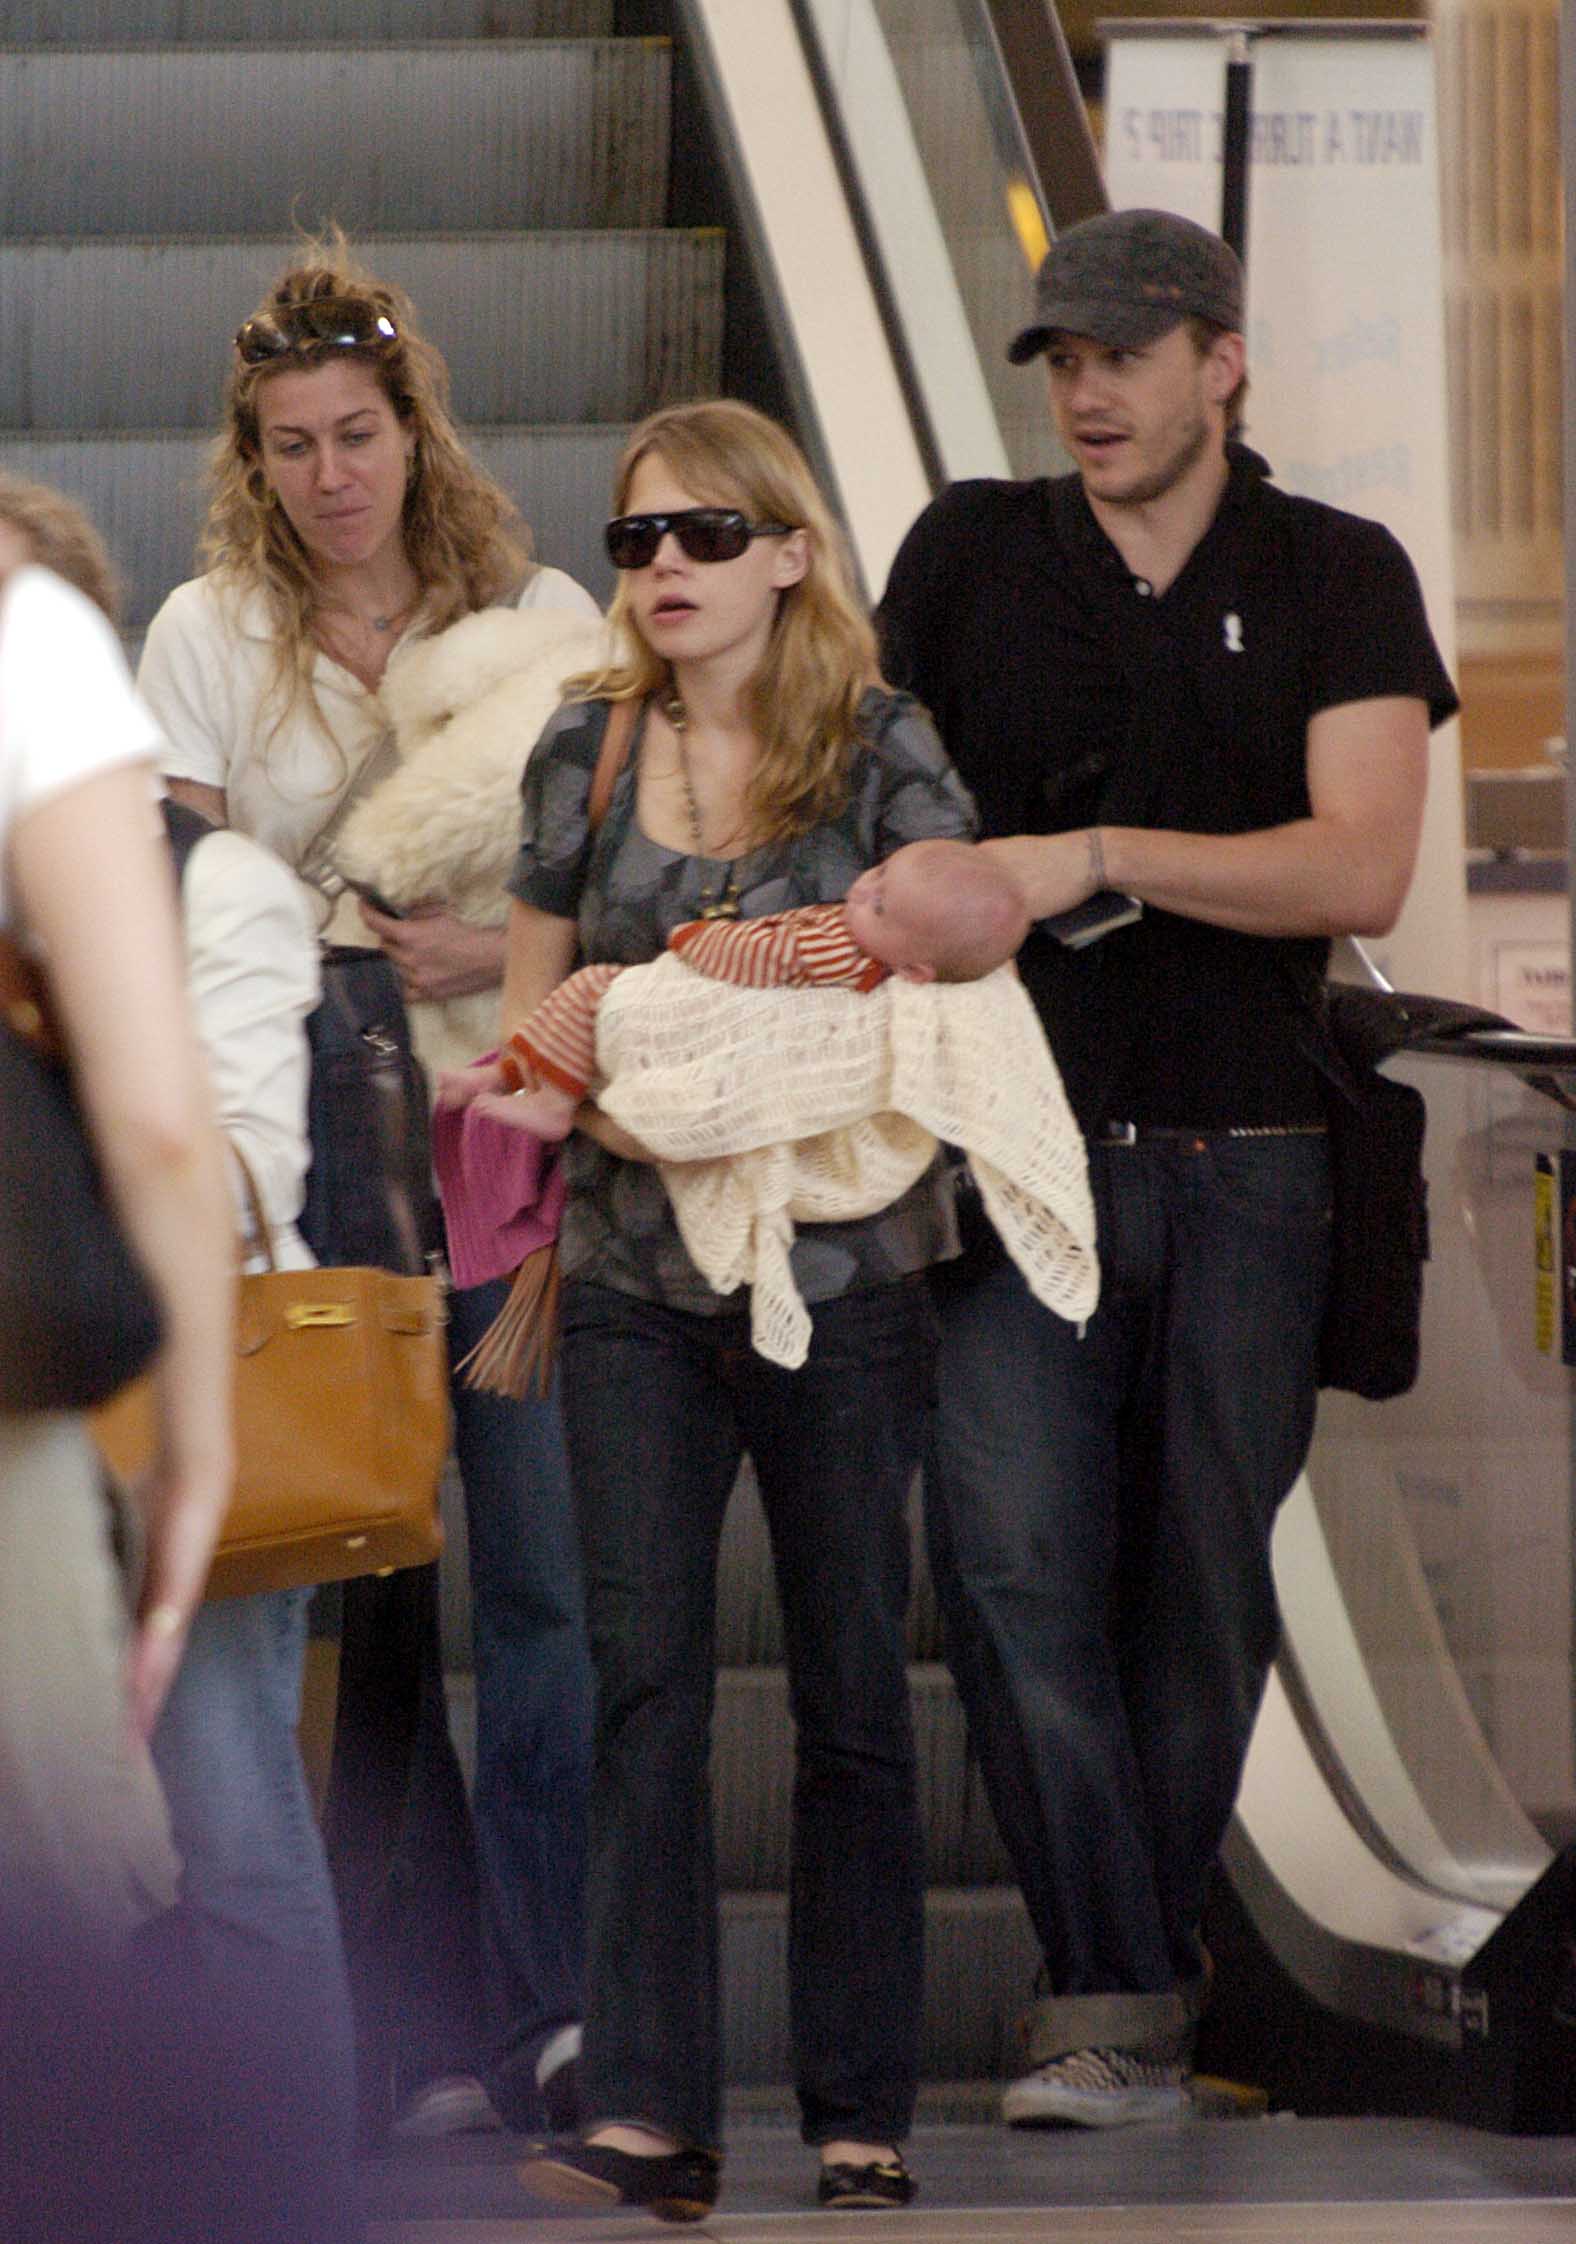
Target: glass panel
{"x":967,"y":129}
{"x":971,"y":189}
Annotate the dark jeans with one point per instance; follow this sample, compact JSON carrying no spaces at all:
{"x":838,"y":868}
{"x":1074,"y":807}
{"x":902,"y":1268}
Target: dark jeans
{"x":659,"y":1406}
{"x":418,"y":1888}
{"x":1100,"y":1506}
{"x":400,"y":1845}
{"x":533,"y":1711}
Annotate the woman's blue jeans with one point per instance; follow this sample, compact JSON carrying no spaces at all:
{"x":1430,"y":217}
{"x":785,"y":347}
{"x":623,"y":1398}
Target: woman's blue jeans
{"x":659,"y":1407}
{"x":1100,"y":1506}
{"x":415,"y":1866}
{"x":257,"y":1922}
{"x":533,"y":1710}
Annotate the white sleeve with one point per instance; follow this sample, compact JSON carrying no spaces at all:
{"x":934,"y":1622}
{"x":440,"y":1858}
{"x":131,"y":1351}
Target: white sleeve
{"x":550,"y":588}
{"x":185,"y":678}
{"x":253,"y":971}
{"x":66,"y":700}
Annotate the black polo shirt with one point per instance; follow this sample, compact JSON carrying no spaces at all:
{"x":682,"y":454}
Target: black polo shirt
{"x":1069,"y":695}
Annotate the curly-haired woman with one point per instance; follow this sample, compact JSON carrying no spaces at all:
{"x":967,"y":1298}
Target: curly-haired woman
{"x":347,"y":517}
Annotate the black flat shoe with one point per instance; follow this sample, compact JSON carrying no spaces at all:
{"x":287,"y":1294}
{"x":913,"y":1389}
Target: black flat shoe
{"x":883,"y":2183}
{"x":676,"y":2186}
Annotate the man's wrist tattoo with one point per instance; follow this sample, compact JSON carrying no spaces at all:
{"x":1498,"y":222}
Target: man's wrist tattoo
{"x":1096,"y":858}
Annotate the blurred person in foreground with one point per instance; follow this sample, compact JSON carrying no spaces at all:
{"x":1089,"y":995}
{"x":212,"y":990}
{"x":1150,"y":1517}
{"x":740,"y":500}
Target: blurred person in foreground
{"x":96,"y":1600}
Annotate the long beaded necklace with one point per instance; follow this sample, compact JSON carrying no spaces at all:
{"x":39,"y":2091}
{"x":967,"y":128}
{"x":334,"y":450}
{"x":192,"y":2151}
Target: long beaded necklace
{"x":723,"y":902}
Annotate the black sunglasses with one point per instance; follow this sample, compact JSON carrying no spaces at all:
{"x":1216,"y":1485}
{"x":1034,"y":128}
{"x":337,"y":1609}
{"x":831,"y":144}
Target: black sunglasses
{"x":705,"y":533}
{"x":337,"y":323}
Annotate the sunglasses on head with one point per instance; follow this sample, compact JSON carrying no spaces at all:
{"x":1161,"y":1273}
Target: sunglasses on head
{"x":705,"y":533}
{"x":341,"y":323}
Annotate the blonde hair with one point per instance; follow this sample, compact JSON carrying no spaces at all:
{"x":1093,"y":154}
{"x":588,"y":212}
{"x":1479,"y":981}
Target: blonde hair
{"x":463,"y":535}
{"x":803,"y":701}
{"x":59,"y":536}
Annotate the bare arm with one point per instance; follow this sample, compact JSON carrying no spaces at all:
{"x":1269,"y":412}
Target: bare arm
{"x":1343,"y":870}
{"x":208,"y":802}
{"x":541,"y":950}
{"x":93,"y":882}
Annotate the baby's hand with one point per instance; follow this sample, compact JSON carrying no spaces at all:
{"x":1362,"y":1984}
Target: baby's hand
{"x":461,"y":1085}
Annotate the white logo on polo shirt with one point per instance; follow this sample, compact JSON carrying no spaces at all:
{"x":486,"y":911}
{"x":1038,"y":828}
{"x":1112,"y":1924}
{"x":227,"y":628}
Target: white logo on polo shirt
{"x":1233,"y":630}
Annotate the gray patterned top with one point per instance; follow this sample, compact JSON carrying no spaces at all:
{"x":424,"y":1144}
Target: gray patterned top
{"x":627,"y":895}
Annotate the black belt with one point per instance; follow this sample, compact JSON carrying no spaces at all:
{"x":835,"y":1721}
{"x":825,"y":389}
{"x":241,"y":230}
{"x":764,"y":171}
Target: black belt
{"x":1159,"y":1133}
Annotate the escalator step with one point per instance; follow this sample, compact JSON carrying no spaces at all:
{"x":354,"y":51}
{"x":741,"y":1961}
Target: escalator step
{"x":85,"y":23}
{"x":752,"y":1780}
{"x":573,"y":327}
{"x":509,"y":134}
{"x":980,"y":1960}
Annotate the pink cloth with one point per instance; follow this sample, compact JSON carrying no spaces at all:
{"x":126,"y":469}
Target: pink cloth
{"x":502,"y":1192}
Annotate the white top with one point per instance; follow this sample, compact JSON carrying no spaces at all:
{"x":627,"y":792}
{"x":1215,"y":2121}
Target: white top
{"x":67,"y":708}
{"x":208,"y":672}
{"x":251,"y":958}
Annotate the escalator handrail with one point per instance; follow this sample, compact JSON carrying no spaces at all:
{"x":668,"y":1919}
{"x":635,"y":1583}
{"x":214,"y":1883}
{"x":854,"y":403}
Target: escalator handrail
{"x":1518,"y":1049}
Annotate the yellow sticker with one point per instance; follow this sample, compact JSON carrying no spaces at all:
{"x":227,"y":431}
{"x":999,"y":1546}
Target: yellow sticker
{"x":1544,"y":1298}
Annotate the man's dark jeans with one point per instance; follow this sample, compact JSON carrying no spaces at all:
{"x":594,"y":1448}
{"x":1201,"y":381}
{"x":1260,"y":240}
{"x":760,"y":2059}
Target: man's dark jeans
{"x":659,"y":1406}
{"x":1100,"y":1506}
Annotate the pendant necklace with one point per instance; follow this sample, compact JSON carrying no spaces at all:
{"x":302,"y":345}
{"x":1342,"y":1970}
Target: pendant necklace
{"x":341,"y":646}
{"x":396,"y":616}
{"x":723,"y":903}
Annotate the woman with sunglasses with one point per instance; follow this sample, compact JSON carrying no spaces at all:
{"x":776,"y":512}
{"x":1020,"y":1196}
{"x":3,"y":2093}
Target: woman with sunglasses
{"x":767,"y":768}
{"x":346,"y":518}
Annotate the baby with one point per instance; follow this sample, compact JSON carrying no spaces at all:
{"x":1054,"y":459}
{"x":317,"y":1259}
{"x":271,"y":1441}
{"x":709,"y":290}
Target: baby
{"x":933,"y":911}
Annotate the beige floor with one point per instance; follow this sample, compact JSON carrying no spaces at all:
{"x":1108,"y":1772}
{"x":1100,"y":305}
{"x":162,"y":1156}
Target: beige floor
{"x":1282,"y":2181}
{"x":1474,"y":2223}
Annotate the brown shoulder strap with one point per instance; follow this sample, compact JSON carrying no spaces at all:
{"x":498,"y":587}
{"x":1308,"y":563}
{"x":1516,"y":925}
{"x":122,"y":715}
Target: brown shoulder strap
{"x":612,"y":756}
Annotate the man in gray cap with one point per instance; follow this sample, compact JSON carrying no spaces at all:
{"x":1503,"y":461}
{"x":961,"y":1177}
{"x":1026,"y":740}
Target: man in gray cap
{"x":1160,"y":676}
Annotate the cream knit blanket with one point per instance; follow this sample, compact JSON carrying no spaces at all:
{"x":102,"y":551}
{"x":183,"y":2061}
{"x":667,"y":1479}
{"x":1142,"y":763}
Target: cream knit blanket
{"x":768,"y":1108}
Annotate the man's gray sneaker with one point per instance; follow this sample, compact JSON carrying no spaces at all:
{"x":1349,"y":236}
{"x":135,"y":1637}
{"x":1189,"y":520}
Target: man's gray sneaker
{"x":1096,"y":2088}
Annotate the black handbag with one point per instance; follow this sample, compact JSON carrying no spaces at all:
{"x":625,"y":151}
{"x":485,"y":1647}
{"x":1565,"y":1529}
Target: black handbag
{"x":1371,"y":1338}
{"x":369,"y":1191}
{"x":77,"y":1314}
{"x":1370,"y":1342}
{"x":370,"y":1197}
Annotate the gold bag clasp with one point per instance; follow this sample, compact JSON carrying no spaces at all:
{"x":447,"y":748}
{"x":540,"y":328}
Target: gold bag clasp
{"x":308,"y":1316}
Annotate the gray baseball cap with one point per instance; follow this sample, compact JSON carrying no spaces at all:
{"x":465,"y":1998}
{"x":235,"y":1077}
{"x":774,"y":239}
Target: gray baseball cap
{"x":1127,"y":277}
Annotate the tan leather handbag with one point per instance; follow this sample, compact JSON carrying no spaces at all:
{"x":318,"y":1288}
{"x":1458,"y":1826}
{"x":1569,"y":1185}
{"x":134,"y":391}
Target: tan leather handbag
{"x":341,"y":1425}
